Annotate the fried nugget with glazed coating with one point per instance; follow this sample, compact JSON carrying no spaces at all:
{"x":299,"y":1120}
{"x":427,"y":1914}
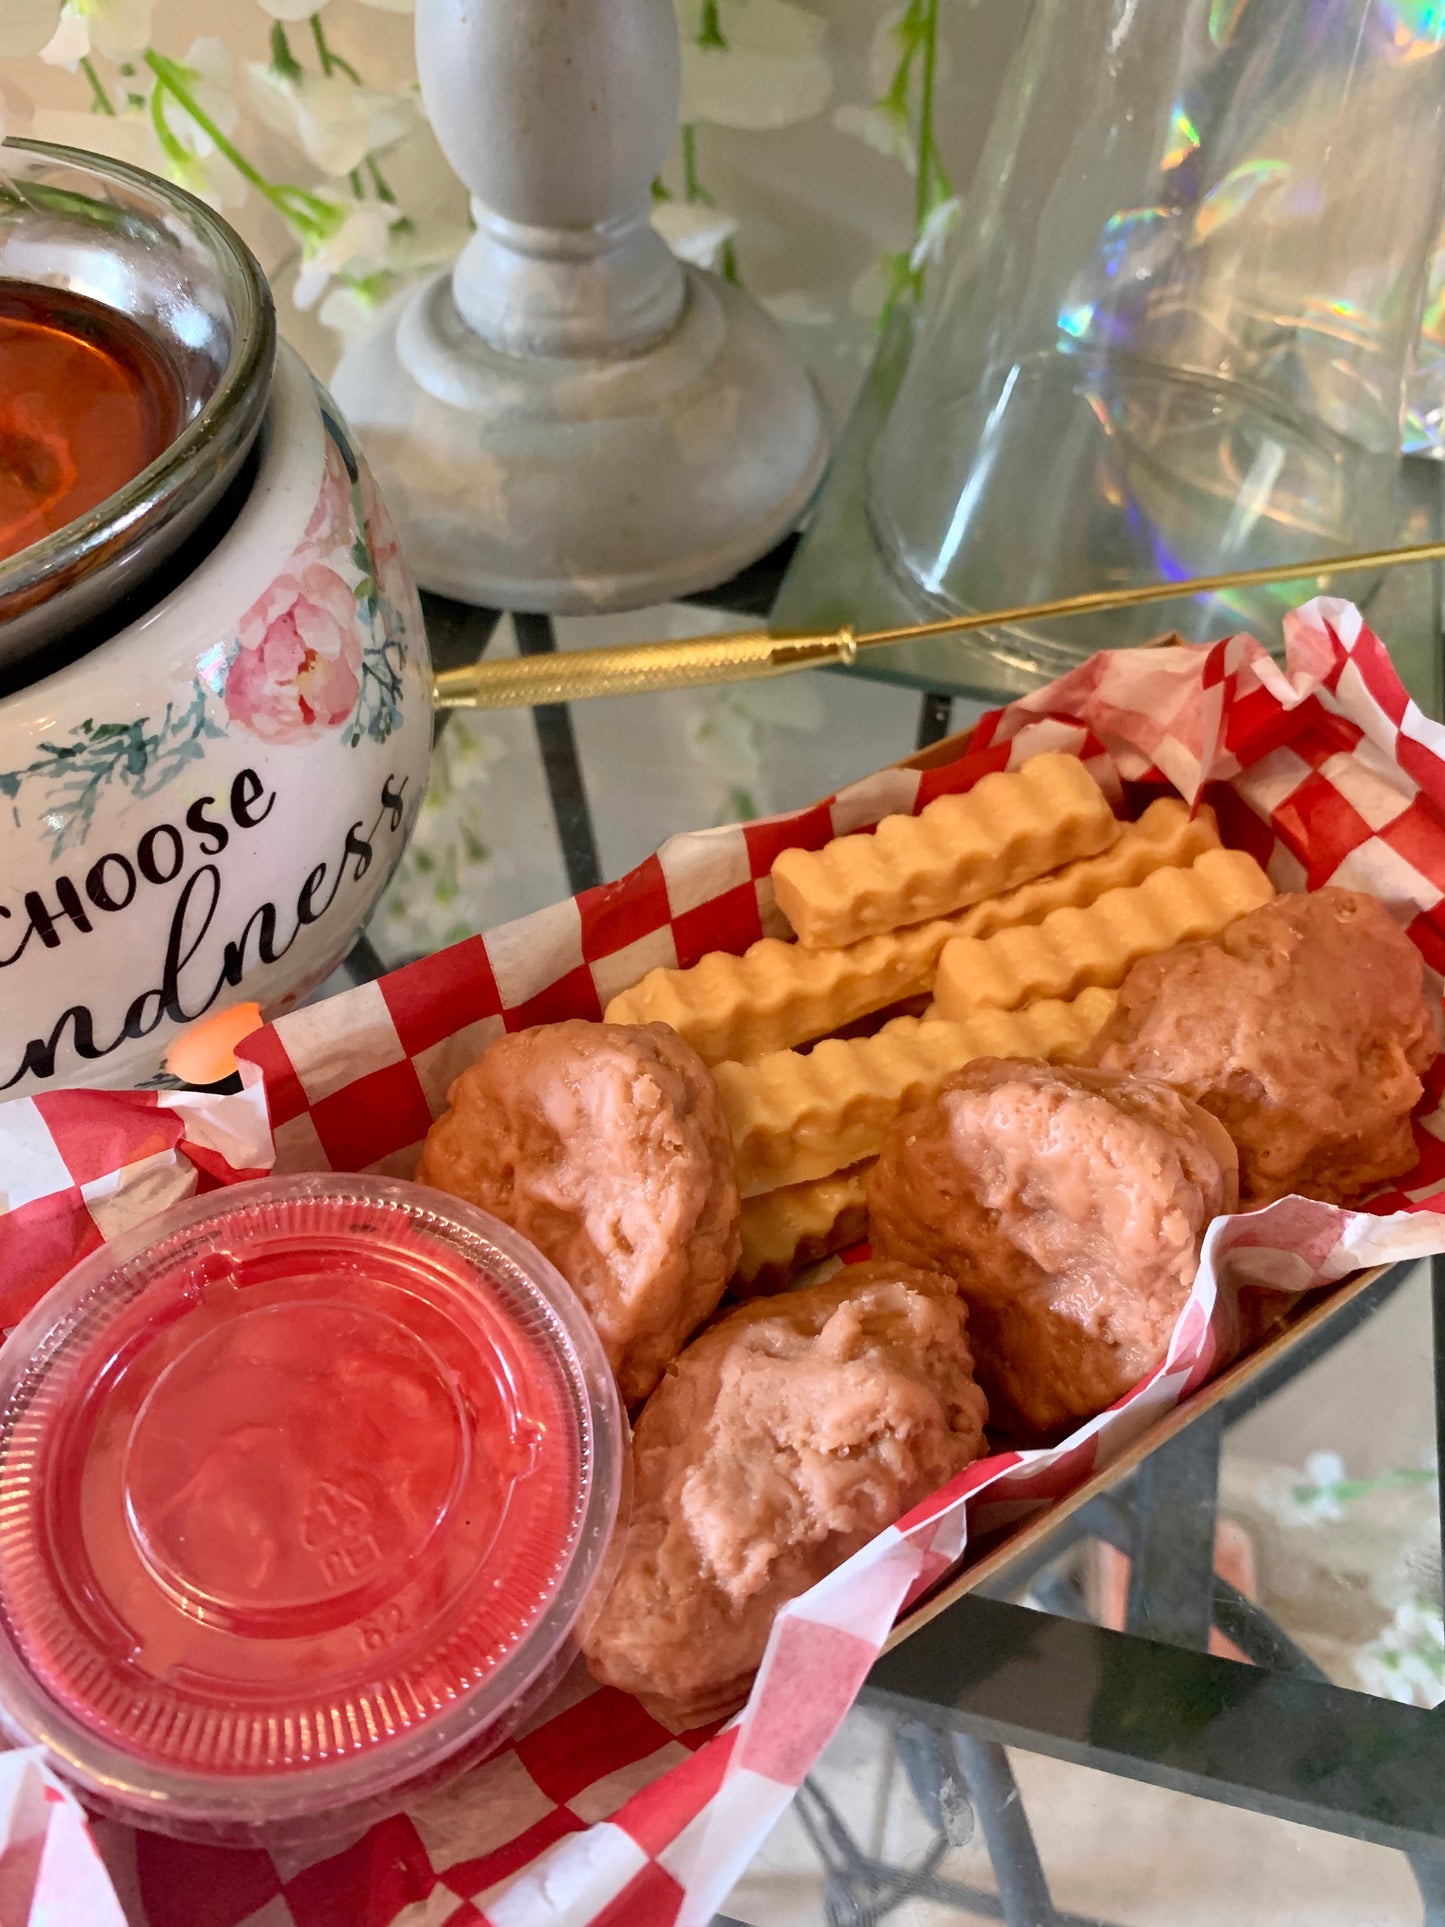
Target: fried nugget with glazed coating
{"x":1069,"y":1205}
{"x":1303,"y":1027}
{"x":783,"y":1438}
{"x":606,"y":1145}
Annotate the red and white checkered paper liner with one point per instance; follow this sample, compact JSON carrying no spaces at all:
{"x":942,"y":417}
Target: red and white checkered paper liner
{"x":596,"y":1816}
{"x":50,"y":1872}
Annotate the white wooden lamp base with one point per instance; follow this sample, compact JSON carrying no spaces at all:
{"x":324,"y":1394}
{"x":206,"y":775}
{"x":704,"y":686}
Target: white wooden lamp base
{"x":570,"y":421}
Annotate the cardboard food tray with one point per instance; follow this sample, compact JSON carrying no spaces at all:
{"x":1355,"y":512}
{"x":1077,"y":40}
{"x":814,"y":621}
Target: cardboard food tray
{"x":1297,"y":1324}
{"x":1324,"y":771}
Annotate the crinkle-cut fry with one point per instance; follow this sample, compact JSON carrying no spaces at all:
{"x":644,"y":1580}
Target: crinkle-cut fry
{"x":1074,"y":949}
{"x":1166,"y":837}
{"x":785,"y":1230}
{"x":777,"y":995}
{"x":1012,"y":825}
{"x":795,"y":1116}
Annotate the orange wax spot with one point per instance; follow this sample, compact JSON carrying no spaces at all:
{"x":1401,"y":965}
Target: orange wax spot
{"x":205,"y":1052}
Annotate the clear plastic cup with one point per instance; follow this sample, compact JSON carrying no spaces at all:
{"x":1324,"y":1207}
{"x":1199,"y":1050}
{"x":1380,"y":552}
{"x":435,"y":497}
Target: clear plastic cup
{"x":304,"y":1490}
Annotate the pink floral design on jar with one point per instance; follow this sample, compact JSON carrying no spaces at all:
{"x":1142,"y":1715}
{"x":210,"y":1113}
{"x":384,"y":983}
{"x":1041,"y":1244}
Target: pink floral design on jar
{"x":298,"y":667}
{"x":391,"y":572}
{"x":332,"y":525}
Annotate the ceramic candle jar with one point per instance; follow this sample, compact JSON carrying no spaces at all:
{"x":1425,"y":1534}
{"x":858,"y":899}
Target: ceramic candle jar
{"x":201,"y":807}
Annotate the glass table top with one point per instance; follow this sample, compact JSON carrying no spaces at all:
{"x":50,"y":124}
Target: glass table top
{"x":839,"y":575}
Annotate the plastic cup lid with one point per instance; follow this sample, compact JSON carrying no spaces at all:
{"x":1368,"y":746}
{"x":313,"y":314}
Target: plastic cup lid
{"x":302,"y":1491}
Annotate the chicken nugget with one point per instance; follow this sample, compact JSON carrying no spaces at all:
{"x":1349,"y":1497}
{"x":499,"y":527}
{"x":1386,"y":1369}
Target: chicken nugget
{"x":782,"y":1439}
{"x":1303,"y":1028}
{"x":1069,"y":1205}
{"x":606,"y":1145}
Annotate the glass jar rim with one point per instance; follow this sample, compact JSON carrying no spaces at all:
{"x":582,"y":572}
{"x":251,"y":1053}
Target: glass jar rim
{"x":227,"y":419}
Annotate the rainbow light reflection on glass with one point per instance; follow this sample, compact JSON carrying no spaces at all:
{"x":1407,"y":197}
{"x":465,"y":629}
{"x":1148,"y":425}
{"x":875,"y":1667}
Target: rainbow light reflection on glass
{"x":1235,"y":192}
{"x":1182,"y":139}
{"x":1416,"y":28}
{"x":1223,"y":19}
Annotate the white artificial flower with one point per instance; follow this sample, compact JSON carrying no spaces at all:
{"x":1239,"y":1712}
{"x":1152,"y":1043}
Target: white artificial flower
{"x":797,"y":308}
{"x":356,"y":248}
{"x":869,"y":293}
{"x":25,"y":26}
{"x":932,"y":238}
{"x":335,"y":123}
{"x":433,"y":899}
{"x":772,"y":72}
{"x":885,"y":132}
{"x":694,"y":232}
{"x":130,"y":135}
{"x":725,"y":733}
{"x":790,"y":702}
{"x":214,"y":181}
{"x":415,"y":246}
{"x":411,"y":248}
{"x":886,"y":49}
{"x":727,"y":743}
{"x":885,"y":127}
{"x":70,"y":42}
{"x":211,"y":82}
{"x":346,"y":311}
{"x":1305,"y":1498}
{"x":1324,"y":1468}
{"x":1407,"y":1661}
{"x":1380,"y":1675}
{"x":119,"y":28}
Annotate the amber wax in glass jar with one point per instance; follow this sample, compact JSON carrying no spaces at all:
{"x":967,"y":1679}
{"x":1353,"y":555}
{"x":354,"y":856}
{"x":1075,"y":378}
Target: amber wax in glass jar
{"x":88,"y":399}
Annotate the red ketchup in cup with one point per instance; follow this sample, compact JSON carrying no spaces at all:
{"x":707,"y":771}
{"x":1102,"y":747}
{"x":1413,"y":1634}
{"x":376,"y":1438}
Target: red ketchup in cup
{"x":303,"y":1492}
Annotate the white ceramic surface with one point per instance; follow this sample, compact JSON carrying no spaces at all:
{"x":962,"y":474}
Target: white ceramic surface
{"x":568,"y":420}
{"x":558,"y":117}
{"x":577,"y":486}
{"x":203,"y":810}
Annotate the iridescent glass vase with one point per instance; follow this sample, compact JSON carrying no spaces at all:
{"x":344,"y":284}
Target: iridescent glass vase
{"x":1177,"y":331}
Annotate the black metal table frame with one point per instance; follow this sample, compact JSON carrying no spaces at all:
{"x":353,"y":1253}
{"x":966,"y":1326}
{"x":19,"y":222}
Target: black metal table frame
{"x":1150,"y":1703}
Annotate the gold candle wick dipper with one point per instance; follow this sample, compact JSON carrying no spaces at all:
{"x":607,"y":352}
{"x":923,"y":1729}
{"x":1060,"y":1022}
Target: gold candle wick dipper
{"x":634,"y":667}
